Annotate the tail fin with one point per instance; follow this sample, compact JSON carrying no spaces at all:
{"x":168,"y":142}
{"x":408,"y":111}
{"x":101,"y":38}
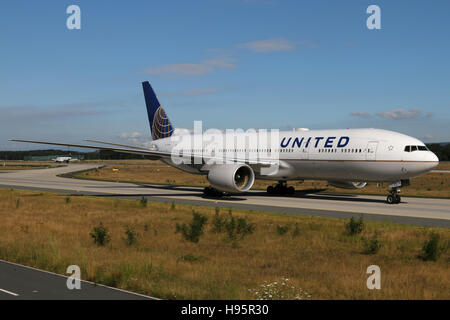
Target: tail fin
{"x":160,"y":125}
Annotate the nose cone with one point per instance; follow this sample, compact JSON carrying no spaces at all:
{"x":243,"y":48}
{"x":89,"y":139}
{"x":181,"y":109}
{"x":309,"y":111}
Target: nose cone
{"x":422,"y":162}
{"x":433,"y":159}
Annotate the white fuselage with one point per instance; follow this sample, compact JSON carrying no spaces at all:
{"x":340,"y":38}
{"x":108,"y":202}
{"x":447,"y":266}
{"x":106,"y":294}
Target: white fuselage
{"x":62,"y":159}
{"x":370,"y":155}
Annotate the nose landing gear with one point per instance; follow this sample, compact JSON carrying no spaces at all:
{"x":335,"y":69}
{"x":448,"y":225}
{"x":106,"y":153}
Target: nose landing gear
{"x":394,"y":196}
{"x":281,"y":188}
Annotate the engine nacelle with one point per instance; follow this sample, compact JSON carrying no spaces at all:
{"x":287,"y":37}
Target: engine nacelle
{"x":236,"y":177}
{"x":348,"y":184}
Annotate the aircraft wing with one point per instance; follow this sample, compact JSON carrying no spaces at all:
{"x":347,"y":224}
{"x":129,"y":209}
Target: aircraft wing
{"x":154,"y":153}
{"x":142,"y":151}
{"x":115,"y":144}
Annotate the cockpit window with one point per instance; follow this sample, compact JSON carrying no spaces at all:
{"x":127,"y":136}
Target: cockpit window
{"x":415,"y":148}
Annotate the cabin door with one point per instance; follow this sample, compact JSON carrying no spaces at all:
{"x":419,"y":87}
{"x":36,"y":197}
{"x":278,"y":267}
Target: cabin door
{"x":371,"y":152}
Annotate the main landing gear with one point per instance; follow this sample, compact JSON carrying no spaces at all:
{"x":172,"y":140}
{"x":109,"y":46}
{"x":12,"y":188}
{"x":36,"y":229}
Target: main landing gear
{"x":394,"y":196}
{"x":281,"y":188}
{"x":211,"y":192}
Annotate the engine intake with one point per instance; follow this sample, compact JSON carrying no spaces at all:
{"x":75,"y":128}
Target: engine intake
{"x":236,"y":177}
{"x":348,"y":184}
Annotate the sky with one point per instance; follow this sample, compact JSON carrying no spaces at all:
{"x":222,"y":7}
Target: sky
{"x":230,"y":63}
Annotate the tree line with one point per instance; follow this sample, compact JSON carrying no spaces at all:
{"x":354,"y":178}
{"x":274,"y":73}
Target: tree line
{"x":95,"y":155}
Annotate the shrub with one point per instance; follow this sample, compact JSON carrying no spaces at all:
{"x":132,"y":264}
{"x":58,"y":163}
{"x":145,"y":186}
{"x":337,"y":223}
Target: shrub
{"x":372,"y":246}
{"x":17,"y":203}
{"x":100,"y":235}
{"x":172,"y":206}
{"x":67,"y":199}
{"x":143,"y":202}
{"x":430,"y":249}
{"x":282,"y":229}
{"x":191,"y":258}
{"x":238,"y":228}
{"x":296,"y":231}
{"x":218,"y":223}
{"x":130,"y":236}
{"x":244,"y":228}
{"x":195,"y":229}
{"x":354,"y":227}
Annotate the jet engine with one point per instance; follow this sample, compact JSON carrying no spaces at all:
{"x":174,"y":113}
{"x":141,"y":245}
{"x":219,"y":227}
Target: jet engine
{"x":236,"y":177}
{"x":348,"y":184}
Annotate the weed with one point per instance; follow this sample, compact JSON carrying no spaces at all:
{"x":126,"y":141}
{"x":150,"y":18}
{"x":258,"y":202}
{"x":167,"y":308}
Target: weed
{"x":218,"y":223}
{"x":195,"y":229}
{"x":238,"y":228}
{"x":143,"y":202}
{"x":372,"y":246}
{"x":354,"y":227}
{"x":282,"y":229}
{"x":431,"y":249}
{"x":296,"y":231}
{"x":191,"y":258}
{"x":100,"y":235}
{"x":130,"y":236}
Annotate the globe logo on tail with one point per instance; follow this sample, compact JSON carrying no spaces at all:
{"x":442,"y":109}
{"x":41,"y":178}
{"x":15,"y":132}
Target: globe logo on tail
{"x":161,"y":126}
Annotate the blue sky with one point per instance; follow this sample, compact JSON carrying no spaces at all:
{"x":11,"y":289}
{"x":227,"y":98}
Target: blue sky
{"x":231,"y":63}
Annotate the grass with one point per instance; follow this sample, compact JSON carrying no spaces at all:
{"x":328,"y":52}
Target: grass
{"x":432,"y":184}
{"x":47,"y":232}
{"x":21,"y":165}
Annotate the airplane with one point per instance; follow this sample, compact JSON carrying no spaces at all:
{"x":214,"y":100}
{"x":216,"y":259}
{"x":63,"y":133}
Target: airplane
{"x":67,"y":159}
{"x":346,"y":158}
{"x":62,"y":159}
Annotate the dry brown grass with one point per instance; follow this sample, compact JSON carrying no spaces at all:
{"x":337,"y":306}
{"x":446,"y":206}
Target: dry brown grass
{"x":45,"y":231}
{"x":429,"y":185}
{"x":444,"y":166}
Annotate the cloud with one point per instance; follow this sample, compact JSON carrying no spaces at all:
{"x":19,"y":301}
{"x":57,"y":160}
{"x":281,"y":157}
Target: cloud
{"x":21,"y":114}
{"x":182,"y":131}
{"x":361,"y":114}
{"x":185,"y":69}
{"x":399,"y":114}
{"x":428,"y":136}
{"x":134,"y":137}
{"x":128,"y":135}
{"x":192,"y":69}
{"x":269,"y":45}
{"x":190,"y":93}
{"x":221,"y":63}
